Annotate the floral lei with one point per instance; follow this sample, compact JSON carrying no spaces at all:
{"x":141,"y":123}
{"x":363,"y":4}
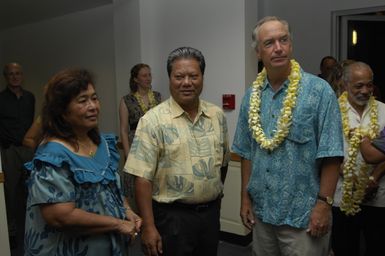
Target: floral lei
{"x":151,"y":101}
{"x":355,"y":183}
{"x":284,"y":120}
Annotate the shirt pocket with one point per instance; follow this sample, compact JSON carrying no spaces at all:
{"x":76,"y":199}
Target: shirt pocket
{"x":173,"y":146}
{"x":301,"y":130}
{"x":175,"y":150}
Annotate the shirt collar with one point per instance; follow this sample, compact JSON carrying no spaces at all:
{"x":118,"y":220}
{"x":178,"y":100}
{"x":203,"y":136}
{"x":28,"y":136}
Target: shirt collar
{"x":9,"y":91}
{"x":177,"y":110}
{"x":285,"y":84}
{"x":352,"y":109}
{"x":267,"y":84}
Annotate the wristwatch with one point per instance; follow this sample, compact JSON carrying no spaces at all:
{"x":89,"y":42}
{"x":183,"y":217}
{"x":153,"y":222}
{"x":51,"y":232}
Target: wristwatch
{"x":329,"y":200}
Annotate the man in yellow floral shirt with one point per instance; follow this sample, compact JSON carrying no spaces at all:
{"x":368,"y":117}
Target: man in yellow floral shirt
{"x":179,"y":157}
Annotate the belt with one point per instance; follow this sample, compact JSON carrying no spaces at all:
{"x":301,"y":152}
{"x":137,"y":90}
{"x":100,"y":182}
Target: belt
{"x":195,"y":207}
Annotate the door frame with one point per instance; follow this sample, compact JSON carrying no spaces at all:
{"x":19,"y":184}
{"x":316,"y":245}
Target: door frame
{"x":339,"y":27}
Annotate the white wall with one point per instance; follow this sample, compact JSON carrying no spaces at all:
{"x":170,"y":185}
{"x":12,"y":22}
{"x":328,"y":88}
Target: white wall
{"x":81,"y":39}
{"x":216,"y":27}
{"x":252,"y":9}
{"x":127,"y":43}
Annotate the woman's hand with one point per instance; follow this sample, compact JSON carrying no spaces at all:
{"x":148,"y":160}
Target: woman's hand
{"x":126,"y":227}
{"x":133,"y":217}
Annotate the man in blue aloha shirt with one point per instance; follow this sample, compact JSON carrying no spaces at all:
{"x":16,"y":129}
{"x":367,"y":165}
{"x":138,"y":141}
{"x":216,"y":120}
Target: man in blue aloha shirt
{"x":289,"y":137}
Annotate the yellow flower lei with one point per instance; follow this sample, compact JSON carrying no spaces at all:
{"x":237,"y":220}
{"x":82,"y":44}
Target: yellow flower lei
{"x":354,"y":185}
{"x":284,"y":120}
{"x":151,"y":101}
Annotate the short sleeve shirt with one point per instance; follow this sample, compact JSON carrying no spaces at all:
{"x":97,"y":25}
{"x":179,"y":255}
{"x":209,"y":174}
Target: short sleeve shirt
{"x":181,"y":157}
{"x":284,"y":182}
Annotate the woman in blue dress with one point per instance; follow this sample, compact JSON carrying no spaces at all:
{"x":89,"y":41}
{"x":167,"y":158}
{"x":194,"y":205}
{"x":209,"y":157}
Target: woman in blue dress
{"x":75,"y":205}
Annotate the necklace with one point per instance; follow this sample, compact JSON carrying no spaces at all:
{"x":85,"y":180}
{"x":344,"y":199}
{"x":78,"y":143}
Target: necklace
{"x":284,"y":120}
{"x":91,"y":152}
{"x":355,"y":183}
{"x":151,"y":101}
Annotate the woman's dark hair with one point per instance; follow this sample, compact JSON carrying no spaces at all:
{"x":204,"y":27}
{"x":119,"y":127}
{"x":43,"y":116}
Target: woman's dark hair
{"x":59,"y":91}
{"x":134,"y":74}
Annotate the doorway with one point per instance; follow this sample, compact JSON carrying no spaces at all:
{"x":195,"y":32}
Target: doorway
{"x":360,"y":36}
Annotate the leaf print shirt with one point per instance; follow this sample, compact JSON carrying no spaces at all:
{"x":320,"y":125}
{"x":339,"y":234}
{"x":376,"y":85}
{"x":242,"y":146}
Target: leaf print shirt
{"x":181,"y":157}
{"x":284,"y":183}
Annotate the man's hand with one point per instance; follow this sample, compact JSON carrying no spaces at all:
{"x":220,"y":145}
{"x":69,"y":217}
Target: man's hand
{"x":247,"y":214}
{"x":151,"y":241}
{"x":320,"y":220}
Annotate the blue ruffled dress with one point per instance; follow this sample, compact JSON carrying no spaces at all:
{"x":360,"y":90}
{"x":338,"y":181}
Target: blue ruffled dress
{"x":57,"y":176}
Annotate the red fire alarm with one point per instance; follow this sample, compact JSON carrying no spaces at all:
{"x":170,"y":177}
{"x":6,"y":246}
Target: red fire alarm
{"x":228,"y":101}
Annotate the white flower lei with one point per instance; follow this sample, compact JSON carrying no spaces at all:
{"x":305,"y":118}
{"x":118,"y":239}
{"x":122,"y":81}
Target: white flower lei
{"x":284,"y":120}
{"x":354,"y":185}
{"x":151,"y":101}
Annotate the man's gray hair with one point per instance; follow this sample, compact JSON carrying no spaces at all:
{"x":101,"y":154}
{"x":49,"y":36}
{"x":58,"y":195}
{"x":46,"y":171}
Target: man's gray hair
{"x":347,"y":71}
{"x":257,"y":27}
{"x":186,"y":53}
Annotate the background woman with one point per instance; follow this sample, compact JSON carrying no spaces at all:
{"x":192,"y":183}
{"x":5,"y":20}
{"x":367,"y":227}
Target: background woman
{"x":75,"y":206}
{"x":135,"y":104}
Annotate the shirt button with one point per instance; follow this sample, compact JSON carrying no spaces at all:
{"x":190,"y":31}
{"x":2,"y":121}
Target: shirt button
{"x":273,"y":116}
{"x":267,"y":187}
{"x":267,"y":170}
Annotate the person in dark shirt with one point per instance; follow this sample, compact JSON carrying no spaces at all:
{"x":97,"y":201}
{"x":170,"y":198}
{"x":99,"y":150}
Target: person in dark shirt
{"x":17,"y":109}
{"x":326,"y":66}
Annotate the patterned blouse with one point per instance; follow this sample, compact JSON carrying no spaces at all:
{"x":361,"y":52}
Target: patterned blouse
{"x":135,"y":112}
{"x":59,"y":176}
{"x":182,"y":158}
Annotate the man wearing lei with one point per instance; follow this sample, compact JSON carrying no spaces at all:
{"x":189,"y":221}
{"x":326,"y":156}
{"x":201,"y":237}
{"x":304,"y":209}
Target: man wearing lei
{"x":359,"y":202}
{"x":289,"y":137}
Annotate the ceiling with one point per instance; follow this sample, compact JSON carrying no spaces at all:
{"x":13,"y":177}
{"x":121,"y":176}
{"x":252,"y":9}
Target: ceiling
{"x":18,"y":12}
